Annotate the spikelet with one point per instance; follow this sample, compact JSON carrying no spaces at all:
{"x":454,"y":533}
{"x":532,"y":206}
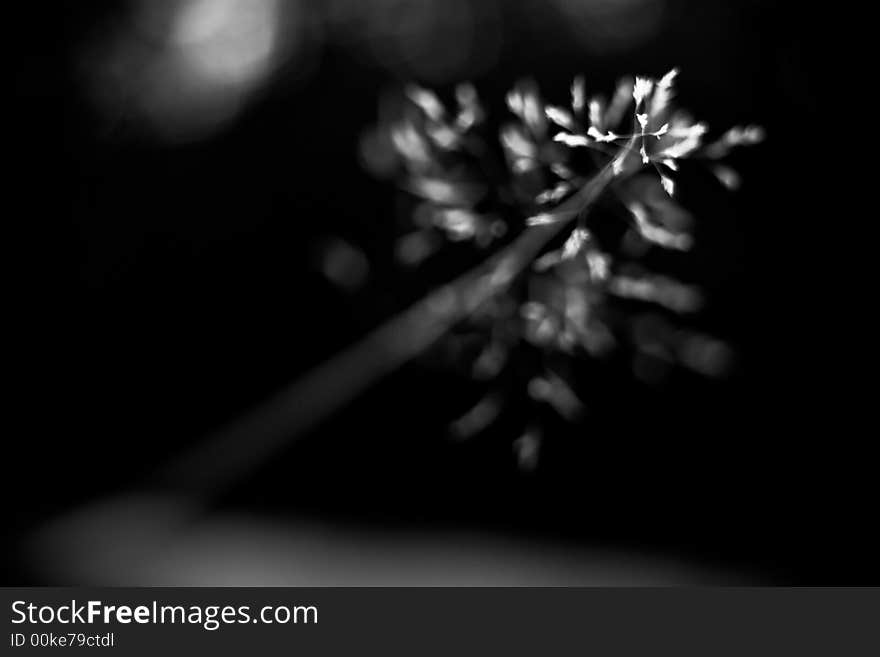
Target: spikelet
{"x":577,"y":94}
{"x":663,"y":93}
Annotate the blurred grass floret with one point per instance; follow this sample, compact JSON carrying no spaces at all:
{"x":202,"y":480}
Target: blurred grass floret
{"x":572,"y":202}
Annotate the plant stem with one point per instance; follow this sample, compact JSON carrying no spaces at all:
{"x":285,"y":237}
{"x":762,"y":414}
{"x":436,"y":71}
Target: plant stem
{"x":245,"y":444}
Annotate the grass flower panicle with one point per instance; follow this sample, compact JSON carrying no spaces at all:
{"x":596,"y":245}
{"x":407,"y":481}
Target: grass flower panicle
{"x":563,"y":278}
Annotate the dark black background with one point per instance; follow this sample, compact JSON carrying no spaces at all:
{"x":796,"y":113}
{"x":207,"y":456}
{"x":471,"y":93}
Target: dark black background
{"x":172,"y":287}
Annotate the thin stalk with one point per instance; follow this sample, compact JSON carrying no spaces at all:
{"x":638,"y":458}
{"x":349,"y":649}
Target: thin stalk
{"x":244,"y":445}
